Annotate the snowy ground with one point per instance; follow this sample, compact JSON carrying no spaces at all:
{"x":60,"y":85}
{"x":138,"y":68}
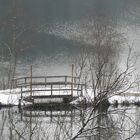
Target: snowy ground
{"x":121,"y":99}
{"x":12,"y":96}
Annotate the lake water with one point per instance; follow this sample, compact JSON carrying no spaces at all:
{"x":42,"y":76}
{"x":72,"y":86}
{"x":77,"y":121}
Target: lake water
{"x":64,"y":123}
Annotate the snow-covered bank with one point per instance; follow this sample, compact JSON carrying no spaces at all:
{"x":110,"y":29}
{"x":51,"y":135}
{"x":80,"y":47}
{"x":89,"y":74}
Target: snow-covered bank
{"x":120,"y":99}
{"x":12,"y":96}
{"x":9,"y":97}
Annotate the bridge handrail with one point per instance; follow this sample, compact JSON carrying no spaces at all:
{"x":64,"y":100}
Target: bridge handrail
{"x":38,"y":90}
{"x":49,"y":83}
{"x":41,"y":77}
{"x":25,"y":80}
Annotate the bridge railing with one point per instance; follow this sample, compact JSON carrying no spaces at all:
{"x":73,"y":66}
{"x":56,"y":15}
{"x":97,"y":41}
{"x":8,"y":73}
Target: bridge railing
{"x":25,"y":81}
{"x":52,"y":84}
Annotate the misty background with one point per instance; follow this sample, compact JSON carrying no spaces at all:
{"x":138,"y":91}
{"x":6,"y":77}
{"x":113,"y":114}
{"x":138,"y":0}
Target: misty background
{"x":51,"y":33}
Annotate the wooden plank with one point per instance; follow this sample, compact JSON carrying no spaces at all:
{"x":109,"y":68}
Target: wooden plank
{"x":66,"y":98}
{"x":48,"y":83}
{"x":38,"y":90}
{"x":41,"y":77}
{"x":28,"y":99}
{"x":47,"y":115}
{"x":50,"y":96}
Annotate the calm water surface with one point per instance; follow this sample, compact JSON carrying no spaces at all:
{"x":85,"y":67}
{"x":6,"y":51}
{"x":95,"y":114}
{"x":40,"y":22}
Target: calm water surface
{"x":64,"y":123}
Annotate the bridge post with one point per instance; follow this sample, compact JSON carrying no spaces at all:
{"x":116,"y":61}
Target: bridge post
{"x":45,"y":81}
{"x":51,"y":89}
{"x":25,"y":81}
{"x":65,"y":80}
{"x":31,"y":81}
{"x":21,"y":92}
{"x":72,"y":79}
{"x":81,"y":90}
{"x":16,"y":83}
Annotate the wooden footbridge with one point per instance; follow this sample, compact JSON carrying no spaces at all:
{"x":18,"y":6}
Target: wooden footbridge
{"x":46,"y":89}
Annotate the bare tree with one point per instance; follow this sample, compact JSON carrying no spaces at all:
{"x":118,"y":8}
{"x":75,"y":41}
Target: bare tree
{"x":103,"y":74}
{"x":98,"y":64}
{"x":13,"y":30}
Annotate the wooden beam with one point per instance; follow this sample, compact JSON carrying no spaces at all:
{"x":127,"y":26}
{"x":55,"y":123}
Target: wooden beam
{"x":21,"y":92}
{"x":51,"y":90}
{"x":72,"y":79}
{"x":31,"y":81}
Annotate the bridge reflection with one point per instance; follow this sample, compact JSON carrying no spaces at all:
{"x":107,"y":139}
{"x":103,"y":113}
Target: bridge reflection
{"x":51,"y":112}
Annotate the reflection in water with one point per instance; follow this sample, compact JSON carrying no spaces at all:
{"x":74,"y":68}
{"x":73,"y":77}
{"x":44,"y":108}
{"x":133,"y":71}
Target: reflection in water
{"x":63,"y":123}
